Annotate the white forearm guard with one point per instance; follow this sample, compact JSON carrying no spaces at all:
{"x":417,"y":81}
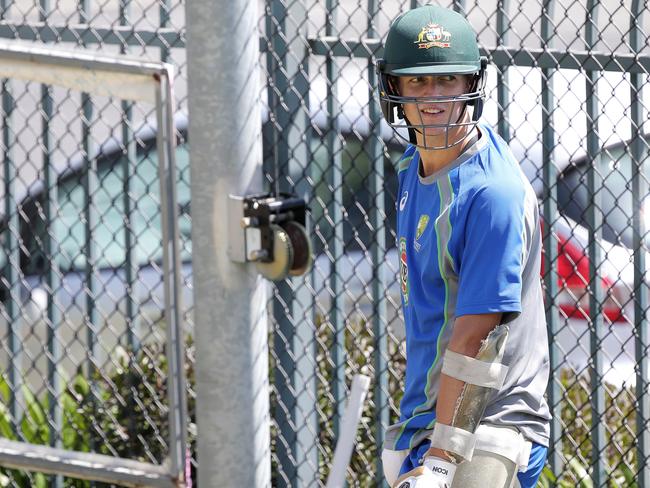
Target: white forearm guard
{"x":481,"y":375}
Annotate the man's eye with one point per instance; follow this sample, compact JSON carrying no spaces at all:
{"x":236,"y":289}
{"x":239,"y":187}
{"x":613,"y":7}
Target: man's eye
{"x":417,"y":79}
{"x":448,"y":78}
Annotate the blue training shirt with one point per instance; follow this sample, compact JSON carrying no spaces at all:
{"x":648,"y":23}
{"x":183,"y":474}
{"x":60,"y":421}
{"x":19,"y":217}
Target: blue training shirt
{"x":469,"y":242}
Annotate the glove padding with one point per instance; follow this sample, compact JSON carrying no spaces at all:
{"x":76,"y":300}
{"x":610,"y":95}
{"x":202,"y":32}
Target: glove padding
{"x":434,"y":473}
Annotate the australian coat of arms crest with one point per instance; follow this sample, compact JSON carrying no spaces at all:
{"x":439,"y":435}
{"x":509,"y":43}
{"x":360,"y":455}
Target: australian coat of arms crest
{"x":433,"y":35}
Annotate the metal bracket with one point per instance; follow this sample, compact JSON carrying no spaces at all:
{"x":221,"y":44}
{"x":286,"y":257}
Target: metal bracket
{"x":254,"y":223}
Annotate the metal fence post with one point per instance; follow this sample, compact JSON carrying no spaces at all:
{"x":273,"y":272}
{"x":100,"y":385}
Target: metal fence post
{"x":380,"y":393}
{"x":287,"y":165}
{"x":639,"y":157}
{"x":12,"y":255}
{"x":550,"y":241}
{"x":503,"y":34}
{"x":53,"y":276}
{"x":595,"y":223}
{"x":230,"y":299}
{"x":335,"y":241}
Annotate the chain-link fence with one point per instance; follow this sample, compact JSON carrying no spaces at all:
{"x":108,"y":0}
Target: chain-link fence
{"x":86,"y":358}
{"x":568,"y":90}
{"x":567,"y":86}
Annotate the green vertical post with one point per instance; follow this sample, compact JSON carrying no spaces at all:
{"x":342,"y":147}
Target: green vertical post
{"x":595,"y":222}
{"x":129,"y":164}
{"x":287,"y":165}
{"x":165,"y":7}
{"x":90,"y":187}
{"x":53,"y":275}
{"x":639,"y":157}
{"x":375,"y":150}
{"x":11,"y":272}
{"x":503,"y":95}
{"x":335,"y":242}
{"x":554,"y":393}
{"x":11,"y":251}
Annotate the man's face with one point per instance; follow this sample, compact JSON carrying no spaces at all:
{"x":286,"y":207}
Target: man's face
{"x":436,"y":113}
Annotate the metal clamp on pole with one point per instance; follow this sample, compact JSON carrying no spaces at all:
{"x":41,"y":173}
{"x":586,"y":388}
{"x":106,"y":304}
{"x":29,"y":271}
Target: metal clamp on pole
{"x":270,"y":230}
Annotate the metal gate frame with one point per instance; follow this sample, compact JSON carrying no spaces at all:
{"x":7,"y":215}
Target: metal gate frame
{"x":127,"y":79}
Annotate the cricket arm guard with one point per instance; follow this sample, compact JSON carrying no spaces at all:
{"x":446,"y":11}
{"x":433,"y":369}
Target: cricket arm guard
{"x":481,"y":376}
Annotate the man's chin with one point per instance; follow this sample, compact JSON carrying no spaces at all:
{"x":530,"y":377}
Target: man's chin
{"x":441,"y":138}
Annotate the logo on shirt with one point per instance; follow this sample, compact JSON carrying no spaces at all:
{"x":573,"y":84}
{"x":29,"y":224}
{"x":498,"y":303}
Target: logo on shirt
{"x":402,"y":202}
{"x":403,"y":270}
{"x":422,"y":225}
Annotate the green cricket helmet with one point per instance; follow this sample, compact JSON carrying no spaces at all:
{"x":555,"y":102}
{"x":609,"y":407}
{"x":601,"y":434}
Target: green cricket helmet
{"x":430,"y":41}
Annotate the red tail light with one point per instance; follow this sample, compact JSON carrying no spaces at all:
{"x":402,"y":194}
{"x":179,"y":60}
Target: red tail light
{"x":573,"y":284}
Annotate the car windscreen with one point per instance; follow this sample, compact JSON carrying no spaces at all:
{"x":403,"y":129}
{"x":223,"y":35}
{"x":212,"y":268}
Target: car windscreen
{"x":108,"y":203}
{"x":613,"y":193}
{"x":357,"y":196}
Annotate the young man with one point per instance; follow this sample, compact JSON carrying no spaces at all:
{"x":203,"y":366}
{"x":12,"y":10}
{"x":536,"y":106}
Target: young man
{"x":473,"y":413}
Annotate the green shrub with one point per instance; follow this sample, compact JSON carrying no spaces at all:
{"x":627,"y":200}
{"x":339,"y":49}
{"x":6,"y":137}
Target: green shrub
{"x":619,"y":454}
{"x":122,"y":412}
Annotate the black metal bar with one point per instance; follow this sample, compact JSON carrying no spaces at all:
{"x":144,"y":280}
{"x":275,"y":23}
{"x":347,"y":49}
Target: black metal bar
{"x":52,"y":273}
{"x":639,"y":158}
{"x":129,"y":165}
{"x":90,"y":185}
{"x":87,"y":34}
{"x":165,"y":7}
{"x":375,"y":151}
{"x":503,"y":95}
{"x":501,"y":56}
{"x":289,"y":136}
{"x":284,"y":370}
{"x":334,"y":148}
{"x":11,"y":241}
{"x":595,"y":223}
{"x":554,"y":392}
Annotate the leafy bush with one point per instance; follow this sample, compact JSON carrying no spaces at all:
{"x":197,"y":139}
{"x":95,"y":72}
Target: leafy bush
{"x":619,"y":453}
{"x":119,"y":413}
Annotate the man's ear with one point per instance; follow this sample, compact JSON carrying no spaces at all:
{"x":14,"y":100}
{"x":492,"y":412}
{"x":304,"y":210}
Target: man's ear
{"x":471,"y":83}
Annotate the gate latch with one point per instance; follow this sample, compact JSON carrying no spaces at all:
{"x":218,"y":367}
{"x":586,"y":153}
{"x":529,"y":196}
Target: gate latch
{"x":270,"y":231}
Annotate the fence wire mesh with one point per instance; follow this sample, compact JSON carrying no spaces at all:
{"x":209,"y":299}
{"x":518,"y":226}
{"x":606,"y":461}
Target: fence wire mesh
{"x":85,"y":356}
{"x":567,"y":88}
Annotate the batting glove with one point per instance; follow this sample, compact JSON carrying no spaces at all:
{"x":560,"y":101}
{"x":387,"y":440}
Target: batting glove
{"x":435,"y":473}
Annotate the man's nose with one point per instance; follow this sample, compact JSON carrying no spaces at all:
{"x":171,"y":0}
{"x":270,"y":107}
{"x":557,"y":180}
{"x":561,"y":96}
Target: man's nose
{"x":431,"y":87}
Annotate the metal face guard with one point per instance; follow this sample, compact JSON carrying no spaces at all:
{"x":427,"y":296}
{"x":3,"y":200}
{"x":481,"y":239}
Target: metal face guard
{"x":392,"y":107}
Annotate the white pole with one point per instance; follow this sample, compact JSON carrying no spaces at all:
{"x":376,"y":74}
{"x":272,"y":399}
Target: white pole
{"x":225,"y":140}
{"x":349,"y":424}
